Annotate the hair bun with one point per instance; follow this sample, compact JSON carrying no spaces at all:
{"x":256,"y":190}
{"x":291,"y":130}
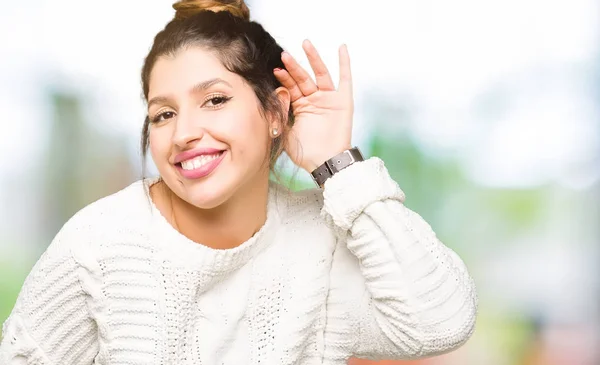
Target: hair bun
{"x":187,"y":8}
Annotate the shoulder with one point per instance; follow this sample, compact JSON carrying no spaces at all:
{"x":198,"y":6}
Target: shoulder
{"x":119,"y":212}
{"x":297,"y":204}
{"x":303,"y":211}
{"x":303,"y":227}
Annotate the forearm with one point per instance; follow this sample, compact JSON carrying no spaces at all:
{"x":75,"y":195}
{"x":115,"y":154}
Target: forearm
{"x":422,"y":295}
{"x":419,"y":298}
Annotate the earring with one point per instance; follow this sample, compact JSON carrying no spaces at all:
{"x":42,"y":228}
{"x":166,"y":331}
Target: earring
{"x":275,"y":131}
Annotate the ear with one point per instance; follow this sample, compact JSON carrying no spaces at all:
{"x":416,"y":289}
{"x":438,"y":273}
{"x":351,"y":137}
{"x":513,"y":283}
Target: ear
{"x":283,"y":95}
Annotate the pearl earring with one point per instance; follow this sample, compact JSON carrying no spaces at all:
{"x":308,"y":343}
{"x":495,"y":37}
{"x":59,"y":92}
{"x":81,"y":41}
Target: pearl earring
{"x":275,"y":131}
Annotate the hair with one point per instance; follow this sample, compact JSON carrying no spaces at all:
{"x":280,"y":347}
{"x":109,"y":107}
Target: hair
{"x":244,"y":47}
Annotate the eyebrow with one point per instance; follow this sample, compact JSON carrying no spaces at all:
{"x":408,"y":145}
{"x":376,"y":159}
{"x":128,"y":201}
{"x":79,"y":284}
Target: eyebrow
{"x":202,"y":86}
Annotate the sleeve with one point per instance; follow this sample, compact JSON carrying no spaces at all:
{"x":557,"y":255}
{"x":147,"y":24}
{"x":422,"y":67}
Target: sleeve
{"x":50,"y":323}
{"x":396,"y":291}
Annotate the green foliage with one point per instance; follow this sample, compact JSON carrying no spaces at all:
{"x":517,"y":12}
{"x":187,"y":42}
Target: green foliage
{"x":519,"y":208}
{"x":11,"y":280}
{"x":427,"y":181}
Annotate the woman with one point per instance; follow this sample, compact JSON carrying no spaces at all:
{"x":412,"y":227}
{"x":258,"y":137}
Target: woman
{"x":214,"y":264}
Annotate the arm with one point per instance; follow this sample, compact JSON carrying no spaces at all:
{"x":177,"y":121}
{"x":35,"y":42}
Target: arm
{"x":404,"y":294}
{"x":50,"y":323}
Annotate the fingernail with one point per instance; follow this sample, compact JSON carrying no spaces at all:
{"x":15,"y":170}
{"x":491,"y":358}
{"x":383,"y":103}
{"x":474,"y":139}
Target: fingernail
{"x":277,"y":69}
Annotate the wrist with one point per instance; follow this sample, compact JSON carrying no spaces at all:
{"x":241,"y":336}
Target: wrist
{"x":314,"y":163}
{"x":335,"y":164}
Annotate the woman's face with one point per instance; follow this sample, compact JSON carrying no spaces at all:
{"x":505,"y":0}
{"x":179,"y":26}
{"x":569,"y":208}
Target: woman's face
{"x":207,"y":137}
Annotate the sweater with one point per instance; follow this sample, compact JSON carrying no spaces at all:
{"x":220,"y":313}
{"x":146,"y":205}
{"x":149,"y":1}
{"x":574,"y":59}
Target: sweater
{"x":347,"y":271}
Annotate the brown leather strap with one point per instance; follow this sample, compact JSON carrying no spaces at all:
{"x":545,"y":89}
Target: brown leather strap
{"x":335,"y":165}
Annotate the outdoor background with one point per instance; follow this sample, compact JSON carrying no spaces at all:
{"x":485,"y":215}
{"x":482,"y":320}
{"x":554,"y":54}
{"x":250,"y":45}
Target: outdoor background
{"x":487,"y":113}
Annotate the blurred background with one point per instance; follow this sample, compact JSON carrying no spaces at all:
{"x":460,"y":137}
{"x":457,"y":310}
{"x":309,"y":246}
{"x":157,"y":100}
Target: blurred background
{"x":486,"y":112}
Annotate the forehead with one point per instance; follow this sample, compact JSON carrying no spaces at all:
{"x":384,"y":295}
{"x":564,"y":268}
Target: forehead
{"x":184,"y":69}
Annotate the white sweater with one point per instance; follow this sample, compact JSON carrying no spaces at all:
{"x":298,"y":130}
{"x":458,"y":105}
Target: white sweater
{"x":347,"y":271}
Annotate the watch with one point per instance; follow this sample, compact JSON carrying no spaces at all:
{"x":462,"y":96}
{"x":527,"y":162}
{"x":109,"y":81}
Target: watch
{"x":335,"y":165}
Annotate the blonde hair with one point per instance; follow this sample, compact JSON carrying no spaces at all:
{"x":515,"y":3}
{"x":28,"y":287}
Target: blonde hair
{"x":187,"y":8}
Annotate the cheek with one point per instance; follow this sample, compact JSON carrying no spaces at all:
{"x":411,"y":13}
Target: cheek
{"x":254,"y":137}
{"x":159,"y":144}
{"x":246,"y":130}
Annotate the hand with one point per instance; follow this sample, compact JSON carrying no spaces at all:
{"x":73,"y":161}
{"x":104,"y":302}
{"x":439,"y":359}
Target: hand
{"x":323,"y":115}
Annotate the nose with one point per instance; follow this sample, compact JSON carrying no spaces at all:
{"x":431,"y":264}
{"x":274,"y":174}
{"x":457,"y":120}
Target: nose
{"x":187,"y":130}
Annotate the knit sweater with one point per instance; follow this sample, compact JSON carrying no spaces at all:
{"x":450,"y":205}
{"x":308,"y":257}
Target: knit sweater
{"x":347,"y":271}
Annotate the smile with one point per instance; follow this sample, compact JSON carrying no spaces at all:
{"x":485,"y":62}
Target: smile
{"x":200,"y":166}
{"x":199,"y":161}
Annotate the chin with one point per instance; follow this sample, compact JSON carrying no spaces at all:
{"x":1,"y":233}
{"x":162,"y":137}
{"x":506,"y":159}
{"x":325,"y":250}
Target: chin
{"x":206,"y":196}
{"x":204,"y":202}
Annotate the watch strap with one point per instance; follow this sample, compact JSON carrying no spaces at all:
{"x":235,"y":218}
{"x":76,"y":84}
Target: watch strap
{"x":336,"y":164}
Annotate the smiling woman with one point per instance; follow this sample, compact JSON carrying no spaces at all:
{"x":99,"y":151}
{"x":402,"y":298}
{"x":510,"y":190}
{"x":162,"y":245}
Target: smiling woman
{"x":205,"y":120}
{"x":224,"y":266}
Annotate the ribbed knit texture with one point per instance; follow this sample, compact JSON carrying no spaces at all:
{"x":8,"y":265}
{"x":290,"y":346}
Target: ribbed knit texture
{"x":347,"y":271}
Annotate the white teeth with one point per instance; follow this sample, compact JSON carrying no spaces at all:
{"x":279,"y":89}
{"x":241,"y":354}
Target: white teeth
{"x":198,"y":162}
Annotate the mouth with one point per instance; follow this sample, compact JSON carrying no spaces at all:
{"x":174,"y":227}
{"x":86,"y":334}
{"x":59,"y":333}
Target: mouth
{"x":199,"y":161}
{"x":200,"y":166}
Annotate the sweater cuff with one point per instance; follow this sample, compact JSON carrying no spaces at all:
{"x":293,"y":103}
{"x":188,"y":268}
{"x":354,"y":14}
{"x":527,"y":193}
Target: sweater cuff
{"x":347,"y":193}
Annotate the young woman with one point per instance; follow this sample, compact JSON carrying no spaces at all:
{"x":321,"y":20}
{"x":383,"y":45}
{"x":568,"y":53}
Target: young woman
{"x":211,"y":263}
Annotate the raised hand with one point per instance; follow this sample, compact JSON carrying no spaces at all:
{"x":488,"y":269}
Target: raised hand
{"x":323,"y":115}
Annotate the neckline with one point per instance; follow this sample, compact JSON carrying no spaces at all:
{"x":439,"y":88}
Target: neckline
{"x":196,"y":256}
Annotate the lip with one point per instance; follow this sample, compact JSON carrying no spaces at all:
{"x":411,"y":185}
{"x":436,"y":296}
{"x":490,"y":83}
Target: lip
{"x":202,"y":171}
{"x":187,"y":155}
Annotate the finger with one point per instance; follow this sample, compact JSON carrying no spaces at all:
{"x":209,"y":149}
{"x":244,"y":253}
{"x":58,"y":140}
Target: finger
{"x":305,"y":82}
{"x":289,"y":83}
{"x":323,"y":78}
{"x":345,"y":84}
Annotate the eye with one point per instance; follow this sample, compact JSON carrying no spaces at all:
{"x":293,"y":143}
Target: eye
{"x":163,"y":116}
{"x":217,"y":101}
